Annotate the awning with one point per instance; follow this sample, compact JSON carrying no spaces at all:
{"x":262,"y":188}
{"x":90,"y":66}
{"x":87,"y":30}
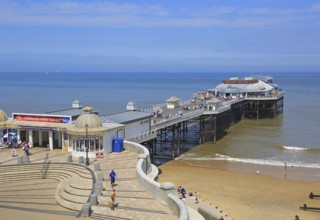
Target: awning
{"x":10,"y":133}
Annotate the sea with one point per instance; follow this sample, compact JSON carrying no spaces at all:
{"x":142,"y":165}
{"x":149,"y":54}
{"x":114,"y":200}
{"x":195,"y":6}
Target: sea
{"x":292,"y":138}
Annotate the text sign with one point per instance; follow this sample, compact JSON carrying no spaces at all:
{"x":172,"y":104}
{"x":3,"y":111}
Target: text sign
{"x":41,"y":118}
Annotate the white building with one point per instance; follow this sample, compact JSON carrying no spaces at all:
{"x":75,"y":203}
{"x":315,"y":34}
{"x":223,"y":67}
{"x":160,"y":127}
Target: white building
{"x":247,"y":87}
{"x":173,"y":102}
{"x":75,"y":129}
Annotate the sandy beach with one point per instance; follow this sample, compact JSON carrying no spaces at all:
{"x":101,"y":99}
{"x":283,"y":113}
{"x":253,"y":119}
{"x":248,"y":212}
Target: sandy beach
{"x":236,"y":188}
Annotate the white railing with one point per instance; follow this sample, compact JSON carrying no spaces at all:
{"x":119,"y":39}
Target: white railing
{"x":160,"y":105}
{"x":142,"y":135}
{"x":164,"y":123}
{"x":271,"y":96}
{"x":176,"y":119}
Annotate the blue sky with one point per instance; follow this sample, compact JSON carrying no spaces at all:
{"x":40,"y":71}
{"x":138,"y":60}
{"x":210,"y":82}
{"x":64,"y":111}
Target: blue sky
{"x":160,"y":36}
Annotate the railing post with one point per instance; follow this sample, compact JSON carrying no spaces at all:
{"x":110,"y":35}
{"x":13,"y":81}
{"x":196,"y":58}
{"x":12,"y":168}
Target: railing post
{"x":69,"y":158}
{"x":94,"y":199}
{"x":86,"y":210}
{"x":80,"y":160}
{"x":96,"y":166}
{"x":100,"y":176}
{"x":26,"y":159}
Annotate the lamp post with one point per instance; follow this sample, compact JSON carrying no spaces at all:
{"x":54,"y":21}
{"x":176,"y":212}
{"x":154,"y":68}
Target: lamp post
{"x":86,"y":145}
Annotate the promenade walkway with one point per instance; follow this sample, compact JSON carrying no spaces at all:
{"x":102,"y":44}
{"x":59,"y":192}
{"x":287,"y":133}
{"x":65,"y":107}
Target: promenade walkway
{"x":35,"y":199}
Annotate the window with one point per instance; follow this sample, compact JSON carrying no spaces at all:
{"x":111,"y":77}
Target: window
{"x":94,"y":143}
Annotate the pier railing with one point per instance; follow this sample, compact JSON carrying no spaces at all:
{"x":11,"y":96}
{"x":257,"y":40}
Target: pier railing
{"x":144,"y":136}
{"x":182,"y":115}
{"x":272,"y":96}
{"x":177,"y":119}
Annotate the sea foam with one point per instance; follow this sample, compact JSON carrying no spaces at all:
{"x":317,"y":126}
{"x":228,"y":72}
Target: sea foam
{"x":295,"y":148}
{"x":270,"y":162}
{"x":266,"y":161}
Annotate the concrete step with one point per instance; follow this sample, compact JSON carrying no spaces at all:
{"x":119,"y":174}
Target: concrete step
{"x":27,"y":176}
{"x":66,"y":203}
{"x":71,"y":169}
{"x":72,"y":198}
{"x":81,"y":183}
{"x":76,"y":191}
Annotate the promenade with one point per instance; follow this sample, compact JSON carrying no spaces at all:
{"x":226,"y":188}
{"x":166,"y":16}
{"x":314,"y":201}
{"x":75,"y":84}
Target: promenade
{"x":35,"y":198}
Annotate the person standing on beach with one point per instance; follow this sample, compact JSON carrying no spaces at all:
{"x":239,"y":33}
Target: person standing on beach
{"x":197,"y":197}
{"x":112,"y":176}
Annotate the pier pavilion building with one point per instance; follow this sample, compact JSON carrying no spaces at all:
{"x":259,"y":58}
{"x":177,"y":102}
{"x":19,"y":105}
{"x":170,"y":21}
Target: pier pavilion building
{"x":247,"y":87}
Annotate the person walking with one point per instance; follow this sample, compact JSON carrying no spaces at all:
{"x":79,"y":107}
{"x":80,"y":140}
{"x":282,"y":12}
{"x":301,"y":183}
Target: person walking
{"x":112,"y":176}
{"x":26,"y":148}
{"x":113,"y":199}
{"x":285,"y":166}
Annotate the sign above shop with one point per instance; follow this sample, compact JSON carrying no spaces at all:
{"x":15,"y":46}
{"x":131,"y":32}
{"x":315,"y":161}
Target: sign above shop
{"x":37,"y":128}
{"x":42,"y":118}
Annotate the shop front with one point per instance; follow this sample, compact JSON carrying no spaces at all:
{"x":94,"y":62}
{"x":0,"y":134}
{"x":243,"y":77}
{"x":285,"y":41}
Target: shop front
{"x":39,"y":129}
{"x":89,"y":136}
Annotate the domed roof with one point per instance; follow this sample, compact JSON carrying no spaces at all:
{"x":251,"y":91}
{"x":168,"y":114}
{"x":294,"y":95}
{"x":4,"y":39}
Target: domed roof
{"x":88,"y":118}
{"x":3,"y":116}
{"x":231,"y":89}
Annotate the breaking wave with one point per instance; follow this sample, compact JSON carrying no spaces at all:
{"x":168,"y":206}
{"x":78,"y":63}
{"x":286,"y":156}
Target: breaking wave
{"x":267,"y":161}
{"x":295,"y":148}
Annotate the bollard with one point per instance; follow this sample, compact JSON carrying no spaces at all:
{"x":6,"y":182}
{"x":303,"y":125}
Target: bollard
{"x":100,"y":176}
{"x":85,"y":161}
{"x":80,"y":160}
{"x":26,"y":159}
{"x":69,"y":159}
{"x":20,"y":160}
{"x":93,"y":199}
{"x":97,"y":167}
{"x":98,"y":187}
{"x":98,"y":190}
{"x":86,"y":210}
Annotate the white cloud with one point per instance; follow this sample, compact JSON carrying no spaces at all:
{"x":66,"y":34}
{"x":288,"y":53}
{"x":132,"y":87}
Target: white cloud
{"x":110,"y":14}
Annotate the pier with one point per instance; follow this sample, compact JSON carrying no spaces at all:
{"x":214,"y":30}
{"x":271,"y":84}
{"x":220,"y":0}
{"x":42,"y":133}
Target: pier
{"x":205,"y":117}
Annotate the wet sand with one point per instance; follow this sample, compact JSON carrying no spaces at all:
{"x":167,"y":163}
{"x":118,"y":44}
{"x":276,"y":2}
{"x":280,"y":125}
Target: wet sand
{"x":236,"y":188}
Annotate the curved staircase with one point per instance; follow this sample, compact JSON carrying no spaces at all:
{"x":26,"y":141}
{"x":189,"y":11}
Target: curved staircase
{"x":76,"y":181}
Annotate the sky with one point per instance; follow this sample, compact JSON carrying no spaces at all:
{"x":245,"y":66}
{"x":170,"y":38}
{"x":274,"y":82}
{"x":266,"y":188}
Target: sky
{"x":159,"y":36}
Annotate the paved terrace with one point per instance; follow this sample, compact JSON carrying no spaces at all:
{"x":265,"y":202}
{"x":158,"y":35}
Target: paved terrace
{"x":35,"y":199}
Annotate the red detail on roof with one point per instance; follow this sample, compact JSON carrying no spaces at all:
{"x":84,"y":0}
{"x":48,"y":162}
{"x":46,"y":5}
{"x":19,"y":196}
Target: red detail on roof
{"x":240,"y":81}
